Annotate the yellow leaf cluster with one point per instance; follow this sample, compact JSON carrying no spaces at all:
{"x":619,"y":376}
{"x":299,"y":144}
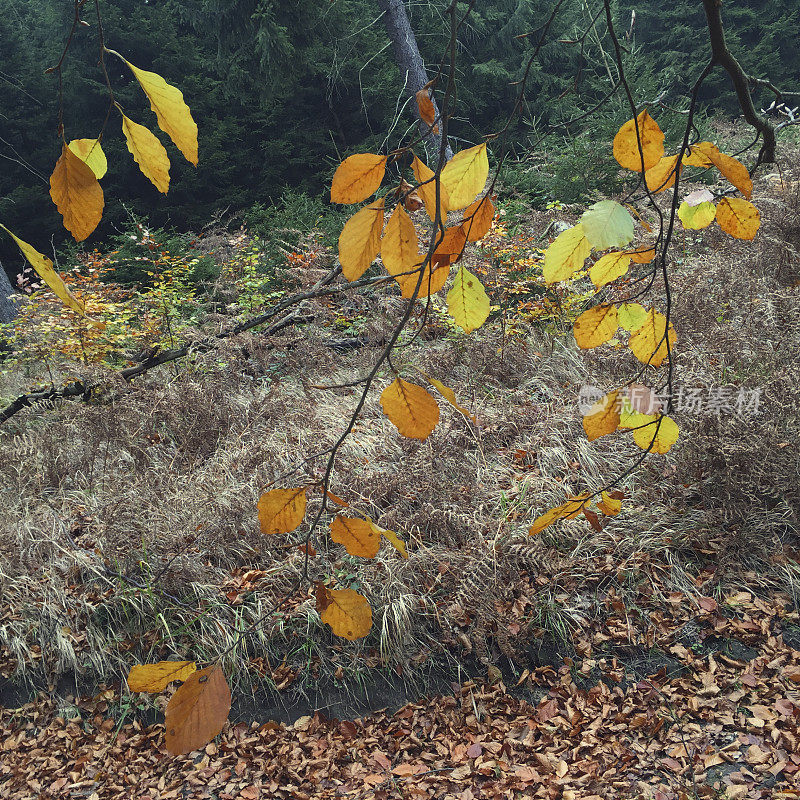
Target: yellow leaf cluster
{"x":172,"y":113}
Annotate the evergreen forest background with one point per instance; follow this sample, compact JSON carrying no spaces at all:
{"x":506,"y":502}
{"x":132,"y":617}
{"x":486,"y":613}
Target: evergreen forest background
{"x":283,"y":90}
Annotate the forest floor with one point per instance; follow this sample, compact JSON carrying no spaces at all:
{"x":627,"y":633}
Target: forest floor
{"x":656,"y":658}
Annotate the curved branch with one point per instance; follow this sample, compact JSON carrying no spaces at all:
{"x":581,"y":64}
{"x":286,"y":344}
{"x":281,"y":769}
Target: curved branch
{"x":720,"y":54}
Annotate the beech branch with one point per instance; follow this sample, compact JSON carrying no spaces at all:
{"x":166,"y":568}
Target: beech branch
{"x":721,"y":54}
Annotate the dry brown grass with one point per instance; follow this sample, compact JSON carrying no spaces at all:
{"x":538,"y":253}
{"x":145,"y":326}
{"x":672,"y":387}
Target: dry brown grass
{"x":159,"y":481}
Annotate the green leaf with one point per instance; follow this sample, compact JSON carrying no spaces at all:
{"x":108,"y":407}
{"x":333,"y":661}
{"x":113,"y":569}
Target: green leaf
{"x":467,"y":301}
{"x":607,"y":224}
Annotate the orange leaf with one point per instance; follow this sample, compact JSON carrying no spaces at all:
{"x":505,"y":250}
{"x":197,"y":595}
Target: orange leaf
{"x":648,"y":343}
{"x":400,"y":246}
{"x":357,"y":535}
{"x":357,"y":177}
{"x":610,"y":505}
{"x":281,"y":510}
{"x":427,"y":191}
{"x":77,"y":194}
{"x":427,"y":113}
{"x":730,"y":167}
{"x":451,"y":248}
{"x":196,"y":713}
{"x":642,"y":255}
{"x":478,"y":218}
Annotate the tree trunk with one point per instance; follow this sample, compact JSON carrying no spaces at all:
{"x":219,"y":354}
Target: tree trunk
{"x":8,"y":308}
{"x":412,"y":69}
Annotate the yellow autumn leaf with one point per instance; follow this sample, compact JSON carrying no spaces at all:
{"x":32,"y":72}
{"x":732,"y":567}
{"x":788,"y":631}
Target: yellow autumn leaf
{"x":642,"y":255}
{"x":603,"y":417}
{"x":400,"y":245}
{"x":730,"y":167}
{"x":391,"y":537}
{"x":467,"y":301}
{"x":360,"y":240}
{"x":345,"y":610}
{"x":172,"y":113}
{"x":631,"y":316}
{"x":44,"y":269}
{"x":566,"y":254}
{"x":450,"y":396}
{"x":609,"y":267}
{"x":478,"y":218}
{"x":648,"y":343}
{"x":357,"y":535}
{"x":281,"y":510}
{"x":154,"y":678}
{"x":91,"y":153}
{"x":410,"y":408}
{"x":546,"y":520}
{"x":609,"y":505}
{"x":595,"y":326}
{"x":694,"y":156}
{"x":662,"y":175}
{"x":464,"y":176}
{"x":357,"y":178}
{"x":663,"y":434}
{"x":626,"y":144}
{"x":148,"y":153}
{"x":569,"y":510}
{"x":695,"y":218}
{"x":77,"y":194}
{"x":740,"y":218}
{"x":427,"y":191}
